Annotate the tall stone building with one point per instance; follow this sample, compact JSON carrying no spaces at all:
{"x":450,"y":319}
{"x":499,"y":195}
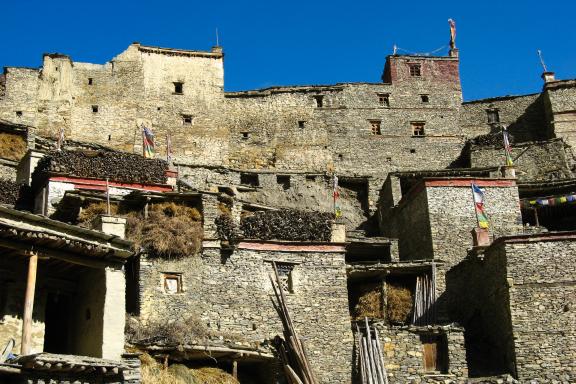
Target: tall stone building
{"x":253,"y":173}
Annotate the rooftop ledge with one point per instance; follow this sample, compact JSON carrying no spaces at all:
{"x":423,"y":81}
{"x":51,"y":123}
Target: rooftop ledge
{"x":292,"y":246}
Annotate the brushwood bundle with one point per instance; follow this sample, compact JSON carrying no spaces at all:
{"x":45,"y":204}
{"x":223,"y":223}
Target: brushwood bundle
{"x":491,"y":139}
{"x":288,"y":224}
{"x":9,"y":191}
{"x":117,"y":166}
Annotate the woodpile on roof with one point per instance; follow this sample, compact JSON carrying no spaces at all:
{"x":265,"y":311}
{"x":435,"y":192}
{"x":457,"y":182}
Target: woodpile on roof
{"x":116,"y":166}
{"x":288,"y":224}
{"x":9,"y":192}
{"x":491,"y":139}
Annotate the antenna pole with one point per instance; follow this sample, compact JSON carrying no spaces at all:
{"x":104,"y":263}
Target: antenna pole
{"x":542,"y":61}
{"x":217,"y":38}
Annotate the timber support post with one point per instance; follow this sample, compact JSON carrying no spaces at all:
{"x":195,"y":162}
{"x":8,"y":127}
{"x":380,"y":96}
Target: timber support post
{"x":29,"y":304}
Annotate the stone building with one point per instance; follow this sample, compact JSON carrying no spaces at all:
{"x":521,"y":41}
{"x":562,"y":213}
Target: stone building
{"x":451,"y":303}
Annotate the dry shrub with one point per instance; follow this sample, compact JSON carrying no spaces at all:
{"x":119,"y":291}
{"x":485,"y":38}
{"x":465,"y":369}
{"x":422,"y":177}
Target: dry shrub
{"x":171,"y":209}
{"x":210,"y":375}
{"x":12,"y":147}
{"x":183,"y":332}
{"x":95,"y":209}
{"x":154,"y":373}
{"x":369,"y":303}
{"x":224,"y":208}
{"x":400,"y":303}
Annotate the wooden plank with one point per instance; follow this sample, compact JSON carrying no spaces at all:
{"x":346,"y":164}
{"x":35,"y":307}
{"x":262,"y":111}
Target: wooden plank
{"x":29,"y":305}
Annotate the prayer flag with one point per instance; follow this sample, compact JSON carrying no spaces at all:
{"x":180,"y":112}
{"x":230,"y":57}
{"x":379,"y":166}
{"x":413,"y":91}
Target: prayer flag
{"x":60,"y":142}
{"x":336,"y":195}
{"x":147,"y":142}
{"x":168,"y":148}
{"x":478,"y":196}
{"x":507,"y":147}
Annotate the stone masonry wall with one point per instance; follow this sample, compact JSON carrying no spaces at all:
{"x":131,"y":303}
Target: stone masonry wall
{"x":542,"y":303}
{"x":546,"y":160}
{"x":232,"y":296}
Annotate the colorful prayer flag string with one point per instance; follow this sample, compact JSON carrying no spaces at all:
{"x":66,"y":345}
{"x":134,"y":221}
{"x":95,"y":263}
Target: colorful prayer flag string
{"x":507,"y":147}
{"x":147,"y":142}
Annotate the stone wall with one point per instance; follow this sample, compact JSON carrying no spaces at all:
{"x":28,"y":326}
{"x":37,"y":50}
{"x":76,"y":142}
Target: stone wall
{"x":523,"y":115}
{"x":231,"y":295}
{"x":522,"y":297}
{"x":545,"y":160}
{"x":403,"y":354}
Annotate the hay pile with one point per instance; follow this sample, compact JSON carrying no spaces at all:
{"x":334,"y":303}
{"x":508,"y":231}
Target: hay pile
{"x":154,"y":373}
{"x":171,"y":230}
{"x":12,"y":147}
{"x":370,"y":303}
{"x":288,"y":224}
{"x":184,"y":332}
{"x":93,"y":210}
{"x":117,"y":166}
{"x":400,"y":302}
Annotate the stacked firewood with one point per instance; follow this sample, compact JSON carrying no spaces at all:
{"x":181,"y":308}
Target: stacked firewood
{"x":9,"y":191}
{"x":491,"y":139}
{"x":291,"y":349}
{"x":116,"y":166}
{"x":288,"y":224}
{"x":371,"y":356}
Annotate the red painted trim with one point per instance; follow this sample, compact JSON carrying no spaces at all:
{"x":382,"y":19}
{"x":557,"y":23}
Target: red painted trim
{"x":98,"y":184}
{"x":466,"y":182}
{"x":291,"y":247}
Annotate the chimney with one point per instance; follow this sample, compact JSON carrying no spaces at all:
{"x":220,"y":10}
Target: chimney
{"x":111,"y":225}
{"x":548,"y":77}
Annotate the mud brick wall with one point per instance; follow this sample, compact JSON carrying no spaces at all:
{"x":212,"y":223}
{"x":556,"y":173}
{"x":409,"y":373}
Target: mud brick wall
{"x":231,"y":295}
{"x":544,"y":160}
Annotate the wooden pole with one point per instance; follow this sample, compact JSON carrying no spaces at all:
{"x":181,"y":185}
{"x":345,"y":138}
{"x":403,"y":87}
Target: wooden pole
{"x":235,"y":369}
{"x":29,"y":304}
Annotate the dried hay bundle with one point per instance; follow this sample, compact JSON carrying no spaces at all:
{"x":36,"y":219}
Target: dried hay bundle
{"x":288,"y":224}
{"x":208,"y":375}
{"x":95,"y":209}
{"x":400,"y":302}
{"x":154,"y":373}
{"x":185,"y":331}
{"x":370,"y":303}
{"x":12,"y":147}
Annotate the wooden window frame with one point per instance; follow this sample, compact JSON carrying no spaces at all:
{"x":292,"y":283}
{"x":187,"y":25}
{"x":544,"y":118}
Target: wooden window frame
{"x":384,"y":99}
{"x":178,"y":88}
{"x":166,"y":276}
{"x":418,"y":128}
{"x":415,"y":69}
{"x":376,"y":127}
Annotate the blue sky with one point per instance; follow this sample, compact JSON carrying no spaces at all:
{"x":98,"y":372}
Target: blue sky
{"x":307,"y":42}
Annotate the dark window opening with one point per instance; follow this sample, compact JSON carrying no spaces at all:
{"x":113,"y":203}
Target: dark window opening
{"x":384,"y":99}
{"x":319,"y":101}
{"x":56,"y":335}
{"x":340,"y":156}
{"x":90,"y":81}
{"x":158,"y":108}
{"x":435,"y":353}
{"x":250,"y":179}
{"x":388,"y":159}
{"x":418,"y":129}
{"x":132,"y":274}
{"x":109,"y":137}
{"x":311,"y":178}
{"x":412,"y":150}
{"x":301,"y":124}
{"x":415,"y":70}
{"x":375,"y":126}
{"x":493,"y":116}
{"x":424,"y":98}
{"x":284,"y":181}
{"x":186,"y":119}
{"x":245,"y":135}
{"x":285,"y":275}
{"x":178,"y":88}
{"x":19,"y":113}
{"x":94,"y":109}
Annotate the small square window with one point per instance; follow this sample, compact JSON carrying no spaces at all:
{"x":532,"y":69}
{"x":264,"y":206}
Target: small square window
{"x":424,"y":98}
{"x":418,"y":129}
{"x":94,"y":109}
{"x":310,"y":178}
{"x":18,"y":113}
{"x":412,"y":150}
{"x":384,"y":99}
{"x":285,"y":274}
{"x":493,"y":116}
{"x":250,"y":179}
{"x":245,"y":135}
{"x":284,"y":181}
{"x":415,"y":69}
{"x":172,"y":282}
{"x":187,"y":119}
{"x":301,"y":124}
{"x":340,"y":156}
{"x":178,"y":88}
{"x":375,"y":126}
{"x":319,"y":101}
{"x":90,"y":81}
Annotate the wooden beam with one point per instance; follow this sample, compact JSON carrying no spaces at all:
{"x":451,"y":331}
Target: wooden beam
{"x":29,"y":305}
{"x":235,"y":369}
